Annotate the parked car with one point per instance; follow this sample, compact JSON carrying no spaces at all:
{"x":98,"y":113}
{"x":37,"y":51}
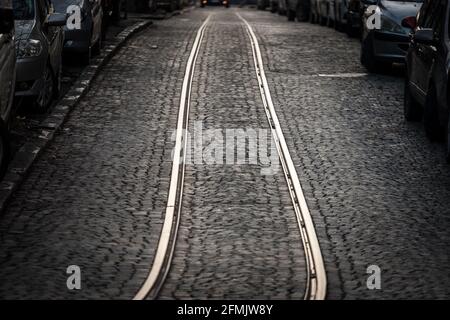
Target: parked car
{"x":225,"y":3}
{"x":262,"y":4}
{"x":299,"y":9}
{"x":88,"y":39}
{"x":427,"y":85}
{"x":323,"y":8}
{"x":340,"y":14}
{"x":7,"y":78}
{"x":274,"y":5}
{"x":282,"y":7}
{"x":381,"y":47}
{"x":172,"y":5}
{"x":39,"y":40}
{"x":355,"y":11}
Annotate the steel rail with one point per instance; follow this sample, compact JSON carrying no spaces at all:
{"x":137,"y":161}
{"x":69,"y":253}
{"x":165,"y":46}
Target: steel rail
{"x":166,"y":244}
{"x":316,"y":287}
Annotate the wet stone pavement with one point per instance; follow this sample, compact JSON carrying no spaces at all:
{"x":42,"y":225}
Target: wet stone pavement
{"x":377,"y":189}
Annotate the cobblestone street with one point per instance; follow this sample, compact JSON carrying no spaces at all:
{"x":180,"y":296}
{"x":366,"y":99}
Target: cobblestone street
{"x":377,"y":189}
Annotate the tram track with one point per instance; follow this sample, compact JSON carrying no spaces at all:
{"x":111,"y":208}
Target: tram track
{"x":316,"y":275}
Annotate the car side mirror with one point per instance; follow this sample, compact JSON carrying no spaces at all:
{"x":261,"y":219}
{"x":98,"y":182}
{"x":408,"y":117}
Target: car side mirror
{"x":424,"y":36}
{"x":6,"y":21}
{"x":409,"y":22}
{"x":57,"y":20}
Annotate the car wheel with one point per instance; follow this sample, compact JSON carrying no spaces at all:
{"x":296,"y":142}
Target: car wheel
{"x":301,"y":15}
{"x":46,"y":95}
{"x":273,"y":7}
{"x":337,"y":18}
{"x":368,"y":59}
{"x":57,"y":85}
{"x":447,"y":151}
{"x":86,"y":57}
{"x":290,"y":15}
{"x":312,"y":17}
{"x":97,"y":48}
{"x":152,"y":5}
{"x":349,"y":28}
{"x":411,"y":108}
{"x":433,"y":128}
{"x":4,"y":149}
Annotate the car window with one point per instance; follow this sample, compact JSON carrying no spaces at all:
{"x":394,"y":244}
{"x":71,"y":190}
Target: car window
{"x":23,"y":9}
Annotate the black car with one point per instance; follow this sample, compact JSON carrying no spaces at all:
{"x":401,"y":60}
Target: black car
{"x":225,"y":3}
{"x":428,"y":69}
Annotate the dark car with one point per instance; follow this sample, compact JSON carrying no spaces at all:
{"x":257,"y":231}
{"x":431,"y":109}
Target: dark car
{"x":39,"y":41}
{"x":355,"y":10}
{"x":7,"y":77}
{"x":170,"y":5}
{"x":87,"y":39}
{"x":225,"y":3}
{"x":428,"y":68}
{"x":387,"y":43}
{"x":299,"y":9}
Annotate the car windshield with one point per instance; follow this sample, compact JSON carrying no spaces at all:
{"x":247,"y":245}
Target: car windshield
{"x":23,"y":9}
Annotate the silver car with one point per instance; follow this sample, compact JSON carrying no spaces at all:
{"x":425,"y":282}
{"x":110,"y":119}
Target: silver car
{"x":87,"y":39}
{"x":39,"y":43}
{"x":388,"y":43}
{"x":7,"y":77}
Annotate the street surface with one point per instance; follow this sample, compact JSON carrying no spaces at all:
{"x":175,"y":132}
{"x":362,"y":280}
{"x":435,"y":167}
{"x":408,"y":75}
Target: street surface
{"x":377,"y":189}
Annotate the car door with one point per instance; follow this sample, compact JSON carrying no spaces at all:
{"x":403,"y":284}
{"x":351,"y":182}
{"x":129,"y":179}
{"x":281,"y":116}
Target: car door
{"x":424,"y":55}
{"x":54,"y":35}
{"x":7,"y":57}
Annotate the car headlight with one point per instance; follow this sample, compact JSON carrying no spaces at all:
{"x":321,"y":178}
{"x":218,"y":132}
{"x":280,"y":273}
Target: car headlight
{"x":390,"y":25}
{"x":28,"y":48}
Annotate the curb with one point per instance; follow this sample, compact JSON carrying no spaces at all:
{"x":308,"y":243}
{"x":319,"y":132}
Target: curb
{"x":22,"y":161}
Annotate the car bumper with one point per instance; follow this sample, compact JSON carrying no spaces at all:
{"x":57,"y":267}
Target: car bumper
{"x":29,"y":81}
{"x":77,"y":41}
{"x":390,"y":47}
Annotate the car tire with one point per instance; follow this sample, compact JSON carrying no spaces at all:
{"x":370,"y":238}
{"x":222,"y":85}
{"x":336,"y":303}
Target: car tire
{"x":447,"y":144}
{"x":431,"y":123}
{"x":411,"y":108}
{"x":301,"y":15}
{"x":45,"y":97}
{"x":86,"y":57}
{"x":290,"y":15}
{"x":58,"y":81}
{"x":4,"y":149}
{"x":273,"y":7}
{"x":312,"y":18}
{"x":97,"y":48}
{"x":368,"y":59}
{"x":349,"y":30}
